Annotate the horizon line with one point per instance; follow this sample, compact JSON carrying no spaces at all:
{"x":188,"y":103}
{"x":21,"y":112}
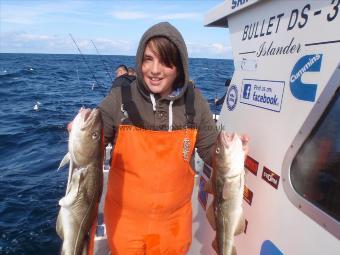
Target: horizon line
{"x":100,"y":55}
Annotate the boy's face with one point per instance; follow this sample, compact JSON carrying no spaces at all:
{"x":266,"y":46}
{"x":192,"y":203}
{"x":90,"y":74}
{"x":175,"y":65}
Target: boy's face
{"x":158,"y":77}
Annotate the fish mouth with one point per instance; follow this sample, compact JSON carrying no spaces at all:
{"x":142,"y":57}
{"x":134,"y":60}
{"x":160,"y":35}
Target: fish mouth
{"x":87,"y":114}
{"x":83,"y":114}
{"x":226,"y":138}
{"x":90,"y":117}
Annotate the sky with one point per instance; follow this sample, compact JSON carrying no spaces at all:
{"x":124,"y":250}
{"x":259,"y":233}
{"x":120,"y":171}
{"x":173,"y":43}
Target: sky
{"x":115,"y":27}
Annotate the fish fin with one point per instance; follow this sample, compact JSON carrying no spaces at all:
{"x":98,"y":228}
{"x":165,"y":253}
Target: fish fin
{"x":68,"y":200}
{"x":215,"y":246}
{"x":64,"y":202}
{"x":208,"y":187}
{"x":71,"y":170}
{"x":72,"y":194}
{"x":65,"y":160}
{"x":59,"y":227}
{"x":211,"y":216}
{"x":241,"y":225}
{"x":227,"y":191}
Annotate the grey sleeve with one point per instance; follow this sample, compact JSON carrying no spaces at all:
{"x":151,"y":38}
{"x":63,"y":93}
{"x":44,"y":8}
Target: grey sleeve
{"x":108,"y":109}
{"x":207,"y":131}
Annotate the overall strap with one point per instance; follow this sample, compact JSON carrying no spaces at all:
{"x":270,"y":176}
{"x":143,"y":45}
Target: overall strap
{"x":190,"y":105}
{"x":133,"y":114}
{"x":130,"y":107}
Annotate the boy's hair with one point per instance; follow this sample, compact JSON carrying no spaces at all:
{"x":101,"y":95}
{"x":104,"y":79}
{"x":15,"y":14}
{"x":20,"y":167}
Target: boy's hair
{"x":169,"y":55}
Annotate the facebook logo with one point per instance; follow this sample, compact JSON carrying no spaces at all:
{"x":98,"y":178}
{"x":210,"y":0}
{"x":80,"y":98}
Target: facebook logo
{"x":246,"y":91}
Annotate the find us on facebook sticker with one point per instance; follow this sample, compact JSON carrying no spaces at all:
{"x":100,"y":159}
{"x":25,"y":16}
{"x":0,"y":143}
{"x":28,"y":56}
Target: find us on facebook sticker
{"x":231,"y":98}
{"x":265,"y":94}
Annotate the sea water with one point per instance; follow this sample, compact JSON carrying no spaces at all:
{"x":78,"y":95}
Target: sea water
{"x":39,"y":95}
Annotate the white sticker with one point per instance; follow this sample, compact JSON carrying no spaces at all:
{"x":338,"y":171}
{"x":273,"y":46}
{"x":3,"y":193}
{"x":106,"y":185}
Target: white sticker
{"x":246,"y":65}
{"x":263,"y":94}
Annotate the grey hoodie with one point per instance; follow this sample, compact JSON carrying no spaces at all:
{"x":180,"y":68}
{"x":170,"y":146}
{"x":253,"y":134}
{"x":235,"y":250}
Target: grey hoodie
{"x":162,"y":113}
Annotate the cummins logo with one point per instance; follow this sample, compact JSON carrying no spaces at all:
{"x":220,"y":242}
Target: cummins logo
{"x":270,"y":177}
{"x":300,"y":90}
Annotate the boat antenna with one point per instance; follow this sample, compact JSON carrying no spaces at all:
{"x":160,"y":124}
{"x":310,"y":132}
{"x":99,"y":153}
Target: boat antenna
{"x":81,"y":54}
{"x":103,"y":62}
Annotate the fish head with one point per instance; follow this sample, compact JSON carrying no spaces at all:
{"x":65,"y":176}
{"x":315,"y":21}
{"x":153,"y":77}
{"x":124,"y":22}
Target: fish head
{"x":85,"y":137}
{"x":229,"y":155}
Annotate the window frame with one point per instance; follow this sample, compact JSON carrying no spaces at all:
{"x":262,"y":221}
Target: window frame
{"x":313,"y":119}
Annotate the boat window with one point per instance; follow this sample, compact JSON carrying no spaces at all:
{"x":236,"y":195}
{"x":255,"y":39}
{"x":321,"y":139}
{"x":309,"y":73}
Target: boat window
{"x":315,"y":171}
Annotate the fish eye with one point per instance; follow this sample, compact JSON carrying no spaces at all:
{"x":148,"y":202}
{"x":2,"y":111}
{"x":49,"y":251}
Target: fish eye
{"x":95,"y":135}
{"x":218,"y":150}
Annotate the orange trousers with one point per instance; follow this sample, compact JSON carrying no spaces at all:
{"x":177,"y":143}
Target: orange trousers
{"x":148,"y":202}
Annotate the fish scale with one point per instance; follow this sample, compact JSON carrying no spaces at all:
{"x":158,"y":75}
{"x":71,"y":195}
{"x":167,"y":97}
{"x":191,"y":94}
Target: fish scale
{"x":225,"y":214}
{"x":78,"y":208}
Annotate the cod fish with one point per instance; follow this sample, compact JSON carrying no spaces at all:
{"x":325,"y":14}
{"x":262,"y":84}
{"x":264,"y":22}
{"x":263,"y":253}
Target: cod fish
{"x":225,"y":214}
{"x":78,"y":208}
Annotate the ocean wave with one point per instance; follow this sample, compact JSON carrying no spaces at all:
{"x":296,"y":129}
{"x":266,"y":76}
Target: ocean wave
{"x":33,"y":142}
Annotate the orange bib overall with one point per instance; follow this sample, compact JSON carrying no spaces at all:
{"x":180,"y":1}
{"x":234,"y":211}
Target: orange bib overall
{"x":148,"y":201}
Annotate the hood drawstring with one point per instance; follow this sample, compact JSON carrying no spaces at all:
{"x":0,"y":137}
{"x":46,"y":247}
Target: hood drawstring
{"x":153,"y":101}
{"x":170,"y":116}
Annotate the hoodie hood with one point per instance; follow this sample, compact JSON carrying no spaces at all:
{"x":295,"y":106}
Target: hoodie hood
{"x":163,"y":29}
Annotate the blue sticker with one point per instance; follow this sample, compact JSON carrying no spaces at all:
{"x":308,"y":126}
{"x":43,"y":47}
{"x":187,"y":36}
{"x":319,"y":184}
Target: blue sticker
{"x":268,"y":248}
{"x":246,"y":91}
{"x":232,"y":97}
{"x":202,"y":196}
{"x":300,"y":90}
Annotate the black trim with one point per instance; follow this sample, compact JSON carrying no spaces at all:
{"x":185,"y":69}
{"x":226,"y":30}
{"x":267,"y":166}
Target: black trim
{"x":247,"y":52}
{"x":319,"y":43}
{"x":130,"y":107}
{"x":190,"y":105}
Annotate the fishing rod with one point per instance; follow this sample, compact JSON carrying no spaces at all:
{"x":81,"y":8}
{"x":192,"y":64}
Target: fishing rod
{"x":103,"y":62}
{"x":215,"y":103}
{"x":81,"y":54}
